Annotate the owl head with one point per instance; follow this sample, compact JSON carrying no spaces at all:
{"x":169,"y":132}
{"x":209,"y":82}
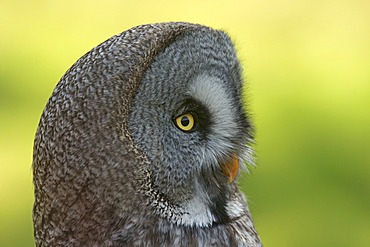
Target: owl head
{"x":188,"y":118}
{"x":141,"y":143}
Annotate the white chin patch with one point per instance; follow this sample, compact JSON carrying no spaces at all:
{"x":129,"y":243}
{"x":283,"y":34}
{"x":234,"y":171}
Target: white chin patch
{"x":235,"y":208}
{"x":196,"y":214}
{"x":196,"y":210}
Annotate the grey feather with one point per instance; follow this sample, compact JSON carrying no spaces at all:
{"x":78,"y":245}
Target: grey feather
{"x":110,"y":166}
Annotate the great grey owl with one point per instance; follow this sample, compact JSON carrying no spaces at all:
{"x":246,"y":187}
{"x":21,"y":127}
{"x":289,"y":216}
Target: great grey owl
{"x":140,"y":144}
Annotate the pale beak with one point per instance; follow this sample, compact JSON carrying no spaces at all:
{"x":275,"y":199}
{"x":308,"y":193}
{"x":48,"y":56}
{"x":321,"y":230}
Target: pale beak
{"x":230,"y":169}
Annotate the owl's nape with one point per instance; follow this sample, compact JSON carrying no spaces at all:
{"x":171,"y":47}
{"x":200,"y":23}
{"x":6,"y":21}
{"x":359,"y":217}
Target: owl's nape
{"x":141,"y":143}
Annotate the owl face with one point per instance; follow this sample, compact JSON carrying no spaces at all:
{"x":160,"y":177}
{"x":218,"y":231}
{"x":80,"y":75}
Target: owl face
{"x":188,"y":118}
{"x":140,"y":144}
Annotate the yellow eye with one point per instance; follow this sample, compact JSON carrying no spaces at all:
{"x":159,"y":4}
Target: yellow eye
{"x":185,"y":122}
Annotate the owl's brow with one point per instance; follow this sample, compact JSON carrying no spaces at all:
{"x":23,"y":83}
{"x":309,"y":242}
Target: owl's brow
{"x":191,"y":105}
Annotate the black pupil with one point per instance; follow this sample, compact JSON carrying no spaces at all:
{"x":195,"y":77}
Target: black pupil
{"x":185,"y":121}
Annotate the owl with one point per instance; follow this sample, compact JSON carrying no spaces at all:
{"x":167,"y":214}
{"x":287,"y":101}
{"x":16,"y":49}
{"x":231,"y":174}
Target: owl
{"x":141,"y":142}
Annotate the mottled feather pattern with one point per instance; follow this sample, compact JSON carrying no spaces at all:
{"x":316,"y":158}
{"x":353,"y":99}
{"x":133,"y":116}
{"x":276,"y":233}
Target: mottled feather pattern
{"x":93,"y":180}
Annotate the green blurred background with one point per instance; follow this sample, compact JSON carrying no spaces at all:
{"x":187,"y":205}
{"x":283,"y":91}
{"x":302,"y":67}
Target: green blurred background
{"x":307,"y":64}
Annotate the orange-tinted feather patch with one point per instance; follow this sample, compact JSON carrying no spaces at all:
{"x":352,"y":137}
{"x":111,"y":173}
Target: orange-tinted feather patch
{"x":230,"y":169}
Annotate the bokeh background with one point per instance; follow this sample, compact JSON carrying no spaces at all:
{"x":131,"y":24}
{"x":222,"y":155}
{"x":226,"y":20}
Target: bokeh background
{"x":307,"y":66}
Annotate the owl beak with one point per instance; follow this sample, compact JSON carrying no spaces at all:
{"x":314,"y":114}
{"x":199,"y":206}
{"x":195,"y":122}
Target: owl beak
{"x":230,"y":169}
